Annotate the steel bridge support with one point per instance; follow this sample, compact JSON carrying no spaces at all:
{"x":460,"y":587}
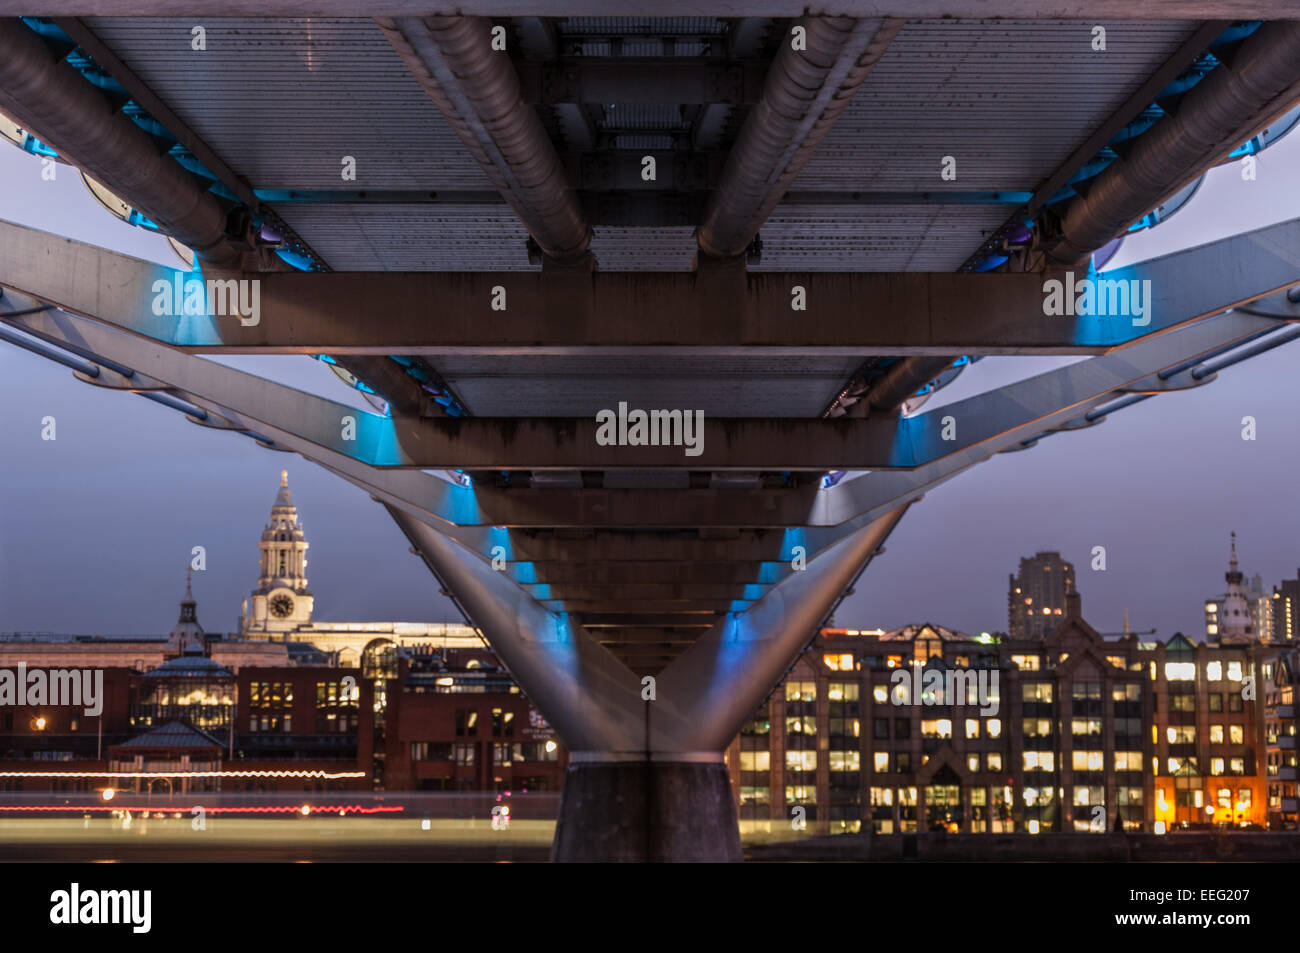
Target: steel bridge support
{"x":647,"y":780}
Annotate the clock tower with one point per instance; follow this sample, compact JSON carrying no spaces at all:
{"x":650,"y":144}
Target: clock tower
{"x":281,"y":602}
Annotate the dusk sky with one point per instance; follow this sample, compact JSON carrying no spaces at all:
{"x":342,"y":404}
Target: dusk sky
{"x":96,"y":527}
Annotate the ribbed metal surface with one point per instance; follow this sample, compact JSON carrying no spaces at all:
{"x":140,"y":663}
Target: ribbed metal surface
{"x":640,"y":26}
{"x":644,"y":249}
{"x":551,"y":386}
{"x":642,"y":116}
{"x":282,"y":101}
{"x":413,"y":237}
{"x":1010,"y":100}
{"x":875,"y":238}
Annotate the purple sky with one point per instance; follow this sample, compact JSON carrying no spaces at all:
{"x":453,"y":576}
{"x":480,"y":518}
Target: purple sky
{"x":96,"y":527}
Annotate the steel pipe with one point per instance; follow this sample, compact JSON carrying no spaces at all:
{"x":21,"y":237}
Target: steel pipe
{"x":50,"y":98}
{"x":803,"y":95}
{"x":477,"y":89}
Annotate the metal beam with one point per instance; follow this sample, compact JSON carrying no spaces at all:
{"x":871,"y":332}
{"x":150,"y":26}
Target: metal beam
{"x":914,"y":9}
{"x":806,"y":90}
{"x":632,"y":80}
{"x":477,"y":89}
{"x":670,"y":313}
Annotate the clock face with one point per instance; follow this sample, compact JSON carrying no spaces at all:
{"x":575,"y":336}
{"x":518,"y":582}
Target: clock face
{"x":281,"y":607}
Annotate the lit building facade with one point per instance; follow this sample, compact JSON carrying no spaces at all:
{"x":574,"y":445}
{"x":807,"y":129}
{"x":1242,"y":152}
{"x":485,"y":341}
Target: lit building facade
{"x":1036,"y":597}
{"x":1088,"y":734}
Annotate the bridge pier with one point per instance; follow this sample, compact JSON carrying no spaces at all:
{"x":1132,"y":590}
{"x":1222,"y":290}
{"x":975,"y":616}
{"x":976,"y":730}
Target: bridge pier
{"x":646,"y":810}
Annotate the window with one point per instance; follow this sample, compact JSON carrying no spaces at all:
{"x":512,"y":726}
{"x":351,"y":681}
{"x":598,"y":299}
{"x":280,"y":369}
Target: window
{"x":993,"y":727}
{"x":503,"y":723}
{"x":1216,"y":701}
{"x":1036,"y":692}
{"x":1128,"y":760}
{"x":1216,"y":765}
{"x":1181,"y":734}
{"x":463,"y":754}
{"x":880,"y":762}
{"x":501,"y":754}
{"x":880,"y":694}
{"x":1182,"y":703}
{"x":1216,"y":734}
{"x":800,"y":761}
{"x":1089,"y":691}
{"x":1234,"y":702}
{"x":801,"y":725}
{"x":972,"y":728}
{"x":1039,"y":760}
{"x":880,"y":727}
{"x":1237,"y":765}
{"x":1234,"y":671}
{"x":902,"y":727}
{"x":1037,"y":727}
{"x":1180,"y":671}
{"x":973,"y":763}
{"x":1027,"y":663}
{"x":1085,"y":726}
{"x":993,"y":760}
{"x":1086,"y":761}
{"x":1130,"y":692}
{"x":838,"y":662}
{"x":755,"y":761}
{"x":936,"y":728}
{"x":844,"y":760}
{"x":1236,"y":735}
{"x":801,"y":691}
{"x":1214,"y":671}
{"x":903,"y":762}
{"x":466,"y":722}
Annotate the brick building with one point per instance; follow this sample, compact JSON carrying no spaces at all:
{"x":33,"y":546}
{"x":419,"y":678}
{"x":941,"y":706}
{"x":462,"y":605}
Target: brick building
{"x":1076,"y":733}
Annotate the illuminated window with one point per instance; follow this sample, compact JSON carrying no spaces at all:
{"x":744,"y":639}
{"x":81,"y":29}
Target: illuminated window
{"x":844,"y":760}
{"x":1037,"y":727}
{"x":1086,"y":760}
{"x":1234,"y":671}
{"x":1180,"y":671}
{"x":755,"y":761}
{"x":993,"y":727}
{"x":1026,"y":663}
{"x":1214,"y":670}
{"x":1181,"y":734}
{"x":880,"y":694}
{"x":1085,"y":726}
{"x":973,"y":763}
{"x":936,"y":728}
{"x":1128,"y":760}
{"x":1236,"y":734}
{"x":1216,"y":765}
{"x":801,"y":691}
{"x":972,"y":728}
{"x":800,"y":761}
{"x":880,"y":762}
{"x":993,"y":760}
{"x":1216,"y":734}
{"x":1036,"y":692}
{"x":1039,"y":760}
{"x":838,"y":662}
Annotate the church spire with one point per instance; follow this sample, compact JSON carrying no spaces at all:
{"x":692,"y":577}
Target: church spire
{"x":1236,"y":623}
